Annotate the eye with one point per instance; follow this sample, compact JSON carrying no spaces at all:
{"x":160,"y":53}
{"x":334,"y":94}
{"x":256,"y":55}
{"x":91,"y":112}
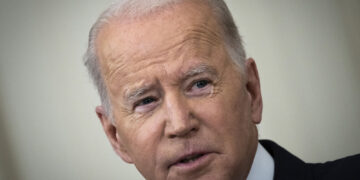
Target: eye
{"x":201,"y":84}
{"x":146,"y":104}
{"x":200,"y":87}
{"x":145,"y":101}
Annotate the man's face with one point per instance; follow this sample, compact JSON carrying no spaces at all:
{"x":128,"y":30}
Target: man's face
{"x":182,"y":109}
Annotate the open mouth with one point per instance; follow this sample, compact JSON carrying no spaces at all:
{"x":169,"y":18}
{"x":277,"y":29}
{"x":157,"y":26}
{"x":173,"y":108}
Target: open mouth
{"x":192,"y":162}
{"x":189,"y":159}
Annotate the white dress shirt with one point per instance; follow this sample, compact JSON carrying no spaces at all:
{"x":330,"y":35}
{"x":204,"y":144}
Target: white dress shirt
{"x":263,"y":166}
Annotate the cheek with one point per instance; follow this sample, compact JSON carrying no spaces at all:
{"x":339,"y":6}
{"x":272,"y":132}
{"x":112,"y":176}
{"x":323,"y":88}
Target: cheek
{"x":143,"y":143}
{"x":225,"y":110}
{"x":144,"y":138}
{"x":139,"y":136}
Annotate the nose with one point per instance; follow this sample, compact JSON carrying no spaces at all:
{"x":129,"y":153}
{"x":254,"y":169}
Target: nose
{"x":180,"y":121}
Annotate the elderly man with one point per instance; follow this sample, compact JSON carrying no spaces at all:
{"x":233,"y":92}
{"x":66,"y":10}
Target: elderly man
{"x":179,"y":98}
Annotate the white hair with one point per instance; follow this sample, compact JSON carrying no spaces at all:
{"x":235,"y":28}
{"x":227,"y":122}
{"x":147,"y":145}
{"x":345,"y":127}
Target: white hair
{"x":138,"y":8}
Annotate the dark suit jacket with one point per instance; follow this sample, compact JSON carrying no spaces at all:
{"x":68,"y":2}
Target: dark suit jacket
{"x":289,"y":167}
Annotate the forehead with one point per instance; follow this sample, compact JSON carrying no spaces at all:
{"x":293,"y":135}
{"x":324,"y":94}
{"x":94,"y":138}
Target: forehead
{"x":186,"y":30}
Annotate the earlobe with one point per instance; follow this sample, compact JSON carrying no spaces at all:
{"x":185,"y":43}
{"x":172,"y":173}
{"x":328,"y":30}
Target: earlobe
{"x":253,"y":88}
{"x":112,"y":135}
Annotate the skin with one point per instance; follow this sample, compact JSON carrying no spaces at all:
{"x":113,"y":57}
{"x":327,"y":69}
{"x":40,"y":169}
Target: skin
{"x":174,"y":90}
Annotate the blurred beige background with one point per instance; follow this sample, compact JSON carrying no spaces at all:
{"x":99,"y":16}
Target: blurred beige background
{"x":307,"y":54}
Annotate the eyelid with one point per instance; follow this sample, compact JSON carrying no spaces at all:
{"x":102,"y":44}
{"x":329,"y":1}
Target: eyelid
{"x":142,"y":109}
{"x":133,"y":94}
{"x":141,"y":99}
{"x":203,"y":76}
{"x":193,"y":91}
{"x":192,"y":83}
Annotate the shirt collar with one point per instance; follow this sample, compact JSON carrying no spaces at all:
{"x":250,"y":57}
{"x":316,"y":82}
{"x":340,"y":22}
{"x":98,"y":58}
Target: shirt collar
{"x":263,"y":166}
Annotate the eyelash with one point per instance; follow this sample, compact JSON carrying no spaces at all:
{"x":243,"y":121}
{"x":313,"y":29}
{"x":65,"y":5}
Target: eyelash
{"x":207,"y":81}
{"x":151,"y":99}
{"x":141,"y":102}
{"x":202,"y":81}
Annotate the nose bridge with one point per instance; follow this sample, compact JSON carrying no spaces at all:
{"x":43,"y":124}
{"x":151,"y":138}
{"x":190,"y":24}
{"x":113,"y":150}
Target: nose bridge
{"x":179,"y":120}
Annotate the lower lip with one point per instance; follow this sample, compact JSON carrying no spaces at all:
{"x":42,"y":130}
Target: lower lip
{"x":197,"y":164}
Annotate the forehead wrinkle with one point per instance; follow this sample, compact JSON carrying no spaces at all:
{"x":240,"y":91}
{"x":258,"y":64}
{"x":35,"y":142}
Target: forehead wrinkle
{"x":115,"y":73}
{"x":195,"y":35}
{"x":146,"y":58}
{"x":203,"y":32}
{"x":199,"y":40}
{"x":114,"y":65}
{"x":159,"y":54}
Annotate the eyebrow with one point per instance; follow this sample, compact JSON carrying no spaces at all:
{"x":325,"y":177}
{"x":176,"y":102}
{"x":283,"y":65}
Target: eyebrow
{"x":200,"y":69}
{"x":134,"y":94}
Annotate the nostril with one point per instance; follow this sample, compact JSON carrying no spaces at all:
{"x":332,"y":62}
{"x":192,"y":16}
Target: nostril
{"x":194,"y":129}
{"x":187,"y":133}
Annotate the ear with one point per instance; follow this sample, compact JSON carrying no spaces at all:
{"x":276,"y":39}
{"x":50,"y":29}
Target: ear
{"x":253,"y":88}
{"x":112,"y":135}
